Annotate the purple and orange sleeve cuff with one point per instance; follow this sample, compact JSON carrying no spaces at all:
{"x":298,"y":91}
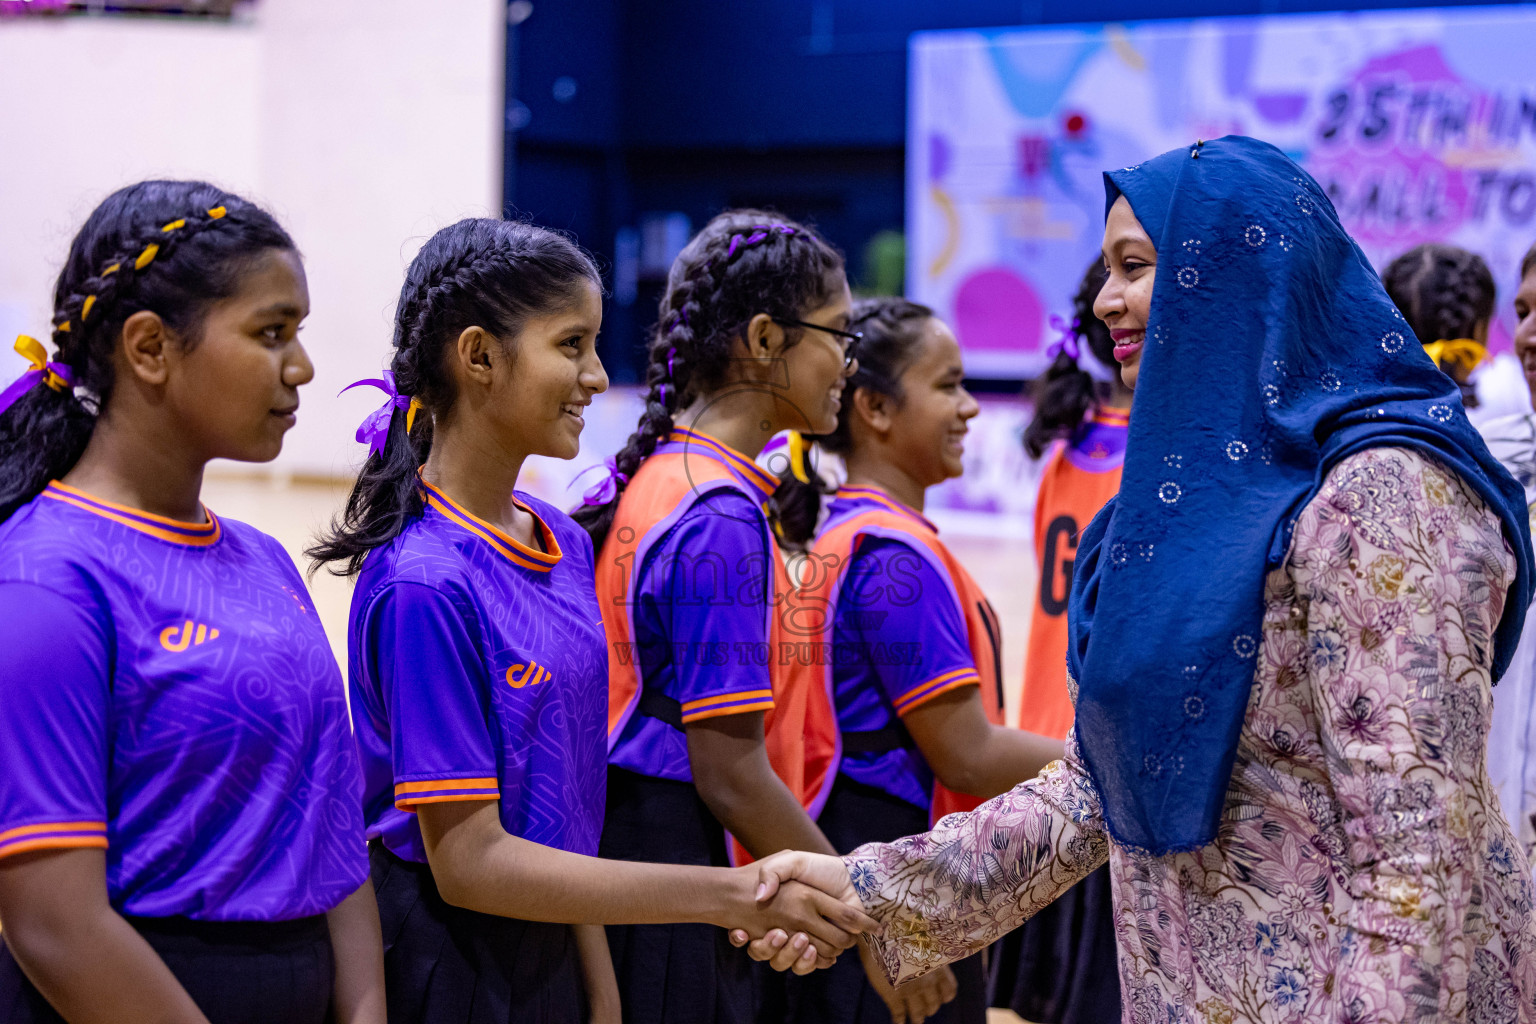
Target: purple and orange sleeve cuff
{"x":727,"y":704}
{"x":53,"y":835}
{"x":926,"y":691}
{"x":439,"y":791}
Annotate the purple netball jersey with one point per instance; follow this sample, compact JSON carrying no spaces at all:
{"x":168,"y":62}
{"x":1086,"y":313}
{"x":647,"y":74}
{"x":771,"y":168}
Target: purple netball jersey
{"x":479,"y":672}
{"x":169,"y":695}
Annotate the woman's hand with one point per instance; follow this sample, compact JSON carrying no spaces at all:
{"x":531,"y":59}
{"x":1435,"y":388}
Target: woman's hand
{"x":915,"y":1001}
{"x":776,"y":946}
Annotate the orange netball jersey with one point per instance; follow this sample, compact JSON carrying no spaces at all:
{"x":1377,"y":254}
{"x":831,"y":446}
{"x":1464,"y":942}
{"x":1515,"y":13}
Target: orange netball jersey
{"x":1081,"y":476}
{"x":872,"y":513}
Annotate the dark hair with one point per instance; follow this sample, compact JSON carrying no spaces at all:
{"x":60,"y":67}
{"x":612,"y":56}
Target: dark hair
{"x":893,"y":330}
{"x":743,"y":263}
{"x":1444,"y":292}
{"x":479,"y":272}
{"x":1066,"y":393}
{"x":170,"y":247}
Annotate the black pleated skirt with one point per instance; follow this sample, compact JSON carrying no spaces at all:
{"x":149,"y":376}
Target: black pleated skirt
{"x":673,"y":973}
{"x":857,"y":814}
{"x":1062,"y":966}
{"x":237,"y":972}
{"x":447,"y":965}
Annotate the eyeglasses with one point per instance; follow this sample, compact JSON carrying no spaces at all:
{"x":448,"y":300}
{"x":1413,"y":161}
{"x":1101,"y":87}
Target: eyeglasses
{"x":852,"y":336}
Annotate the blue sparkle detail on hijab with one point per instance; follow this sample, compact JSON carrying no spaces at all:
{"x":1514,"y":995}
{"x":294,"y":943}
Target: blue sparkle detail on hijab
{"x":1272,"y":353}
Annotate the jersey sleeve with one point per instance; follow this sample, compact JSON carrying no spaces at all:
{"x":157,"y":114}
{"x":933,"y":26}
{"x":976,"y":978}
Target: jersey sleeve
{"x":54,"y":691}
{"x":714,"y":580}
{"x":436,"y":692}
{"x":910,"y":627}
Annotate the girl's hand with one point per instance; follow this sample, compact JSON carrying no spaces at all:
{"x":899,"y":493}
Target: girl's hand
{"x":801,"y":953}
{"x":818,"y":906}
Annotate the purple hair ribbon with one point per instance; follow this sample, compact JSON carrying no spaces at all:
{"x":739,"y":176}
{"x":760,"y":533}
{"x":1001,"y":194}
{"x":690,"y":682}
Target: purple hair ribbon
{"x":661,"y":394}
{"x":1068,"y":342}
{"x":606,"y":489}
{"x":758,"y":235}
{"x":671,"y":353}
{"x":374,"y":430}
{"x":56,"y":375}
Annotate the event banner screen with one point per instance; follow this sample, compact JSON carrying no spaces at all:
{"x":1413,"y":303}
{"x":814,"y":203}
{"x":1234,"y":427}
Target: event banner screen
{"x":1421,"y":125}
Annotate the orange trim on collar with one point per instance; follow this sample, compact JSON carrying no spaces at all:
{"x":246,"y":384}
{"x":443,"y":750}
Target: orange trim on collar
{"x":759,"y":476}
{"x":1112,"y":417}
{"x":519,"y":553}
{"x":174,"y":531}
{"x":876,"y":495}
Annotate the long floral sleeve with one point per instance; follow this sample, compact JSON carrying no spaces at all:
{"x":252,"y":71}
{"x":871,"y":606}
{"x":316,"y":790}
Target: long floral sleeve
{"x":947,"y":893}
{"x":1398,"y":668}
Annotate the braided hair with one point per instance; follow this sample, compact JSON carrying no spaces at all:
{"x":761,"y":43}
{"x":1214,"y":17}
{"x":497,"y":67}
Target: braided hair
{"x":893,"y":333}
{"x":743,"y":263}
{"x":173,"y":248}
{"x":479,"y":272}
{"x":1066,"y":393}
{"x":1444,"y":292}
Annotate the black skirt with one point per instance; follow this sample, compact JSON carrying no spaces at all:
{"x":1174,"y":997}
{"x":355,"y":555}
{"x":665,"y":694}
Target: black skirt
{"x":447,"y":965}
{"x":857,"y":814}
{"x":1062,"y":967}
{"x":673,"y":973}
{"x":237,"y":972}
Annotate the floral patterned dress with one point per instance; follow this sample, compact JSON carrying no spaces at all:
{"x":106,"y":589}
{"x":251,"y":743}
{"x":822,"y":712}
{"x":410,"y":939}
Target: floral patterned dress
{"x":1363,"y":871}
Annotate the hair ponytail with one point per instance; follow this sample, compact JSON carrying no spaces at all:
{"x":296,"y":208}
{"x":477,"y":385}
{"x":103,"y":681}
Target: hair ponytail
{"x":172,"y":248}
{"x":743,"y":263}
{"x":479,"y":272}
{"x":1067,"y":393}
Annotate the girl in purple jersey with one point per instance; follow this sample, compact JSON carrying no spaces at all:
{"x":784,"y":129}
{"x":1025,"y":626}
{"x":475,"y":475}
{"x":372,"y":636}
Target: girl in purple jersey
{"x":752,"y":340}
{"x":179,"y":829}
{"x":479,"y":668}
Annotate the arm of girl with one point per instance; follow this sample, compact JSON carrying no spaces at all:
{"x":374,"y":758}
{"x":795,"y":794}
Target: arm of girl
{"x":479,"y":866}
{"x":358,"y":946}
{"x":83,"y":957}
{"x":736,"y":782}
{"x":597,"y":974}
{"x":968,"y":753}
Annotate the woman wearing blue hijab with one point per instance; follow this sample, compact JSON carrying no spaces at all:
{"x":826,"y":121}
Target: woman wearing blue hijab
{"x":1284,"y":632}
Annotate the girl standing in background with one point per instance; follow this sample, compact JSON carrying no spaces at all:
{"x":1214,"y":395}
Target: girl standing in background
{"x":703,"y":736}
{"x":1446,"y":294}
{"x":478,"y":659}
{"x":916,"y":647}
{"x":180,"y":837}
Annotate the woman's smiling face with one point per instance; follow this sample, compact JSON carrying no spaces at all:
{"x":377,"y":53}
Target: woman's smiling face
{"x":1123,"y":304}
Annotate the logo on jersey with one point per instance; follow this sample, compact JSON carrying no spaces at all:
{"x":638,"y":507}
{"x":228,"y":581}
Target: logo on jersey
{"x":531,"y":674}
{"x":188,"y":634}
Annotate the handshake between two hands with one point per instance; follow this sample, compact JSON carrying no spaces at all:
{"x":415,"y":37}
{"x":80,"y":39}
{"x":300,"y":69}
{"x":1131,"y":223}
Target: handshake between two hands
{"x":807,"y":912}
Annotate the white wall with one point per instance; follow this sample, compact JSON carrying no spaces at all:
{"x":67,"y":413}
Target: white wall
{"x":364,"y":125}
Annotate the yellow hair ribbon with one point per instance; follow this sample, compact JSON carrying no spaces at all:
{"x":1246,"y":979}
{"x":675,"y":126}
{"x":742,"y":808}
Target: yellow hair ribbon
{"x":114,"y":268}
{"x":85,"y":310}
{"x":146,"y":257}
{"x":174,"y":225}
{"x":410,"y":413}
{"x":798,"y":450}
{"x":30,"y":349}
{"x":63,"y":328}
{"x":1464,"y":354}
{"x":217,"y":213}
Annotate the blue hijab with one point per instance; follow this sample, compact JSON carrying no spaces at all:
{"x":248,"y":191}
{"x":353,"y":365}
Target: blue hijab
{"x":1272,"y":353}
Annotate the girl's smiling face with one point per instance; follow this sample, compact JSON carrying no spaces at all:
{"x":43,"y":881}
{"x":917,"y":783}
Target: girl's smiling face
{"x":544,"y":389}
{"x":1125,"y":301}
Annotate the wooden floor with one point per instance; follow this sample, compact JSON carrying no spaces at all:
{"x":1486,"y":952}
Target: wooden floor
{"x":293,"y":512}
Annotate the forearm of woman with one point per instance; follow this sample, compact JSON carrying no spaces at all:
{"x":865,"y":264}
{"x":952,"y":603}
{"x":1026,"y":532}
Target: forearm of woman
{"x":731,"y":771}
{"x":971,"y":755}
{"x":947,"y":893}
{"x":597,"y":974}
{"x":85,"y":959}
{"x":358,"y":947}
{"x":479,"y":866}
